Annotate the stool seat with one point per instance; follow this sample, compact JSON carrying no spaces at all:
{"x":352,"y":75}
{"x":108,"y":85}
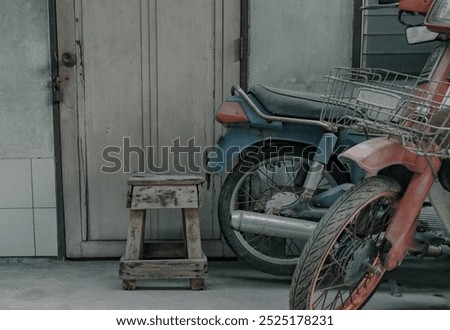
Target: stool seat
{"x":159,"y":192}
{"x":165,"y":180}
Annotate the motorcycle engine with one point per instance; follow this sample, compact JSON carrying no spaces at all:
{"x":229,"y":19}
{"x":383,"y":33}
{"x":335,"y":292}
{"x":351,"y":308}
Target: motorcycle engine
{"x":444,"y":174}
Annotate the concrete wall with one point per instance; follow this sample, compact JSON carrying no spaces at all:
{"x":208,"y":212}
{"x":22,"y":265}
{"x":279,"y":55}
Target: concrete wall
{"x":27,"y":171}
{"x":294,"y":43}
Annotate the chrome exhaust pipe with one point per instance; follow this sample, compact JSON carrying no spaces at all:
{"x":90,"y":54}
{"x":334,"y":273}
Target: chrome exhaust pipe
{"x":272,"y":225}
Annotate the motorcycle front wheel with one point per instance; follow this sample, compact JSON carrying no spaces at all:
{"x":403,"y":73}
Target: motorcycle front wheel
{"x":268,"y":176}
{"x":340,"y":266}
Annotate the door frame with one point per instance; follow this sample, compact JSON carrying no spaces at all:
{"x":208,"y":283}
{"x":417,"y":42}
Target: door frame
{"x":68,"y":139}
{"x":72,"y":219}
{"x":54,"y":67}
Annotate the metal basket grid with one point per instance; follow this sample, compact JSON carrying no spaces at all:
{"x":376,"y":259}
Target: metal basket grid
{"x":379,"y":101}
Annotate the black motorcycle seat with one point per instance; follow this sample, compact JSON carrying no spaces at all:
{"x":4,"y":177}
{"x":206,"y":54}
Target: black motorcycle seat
{"x":288,"y":103}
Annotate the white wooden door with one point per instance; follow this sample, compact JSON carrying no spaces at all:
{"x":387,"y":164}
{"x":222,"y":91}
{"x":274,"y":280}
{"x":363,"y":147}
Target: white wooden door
{"x":147,"y":72}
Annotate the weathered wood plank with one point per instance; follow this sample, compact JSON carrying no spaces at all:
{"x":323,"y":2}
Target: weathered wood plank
{"x":164,"y":197}
{"x":164,"y":250}
{"x":165,"y":180}
{"x":191,"y":223}
{"x":163,"y":269}
{"x":135,"y":241}
{"x":197,"y":284}
{"x":129,"y":196}
{"x":192,"y":227}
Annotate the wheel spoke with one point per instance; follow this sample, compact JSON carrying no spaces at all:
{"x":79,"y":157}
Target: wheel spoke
{"x":340,"y":297}
{"x":290,"y":249}
{"x":353,"y":234}
{"x":271,"y":180}
{"x":323,"y":296}
{"x":337,"y":263}
{"x":324,"y":276}
{"x":333,"y":302}
{"x":294,"y":176}
{"x":255,"y":239}
{"x":333,"y":287}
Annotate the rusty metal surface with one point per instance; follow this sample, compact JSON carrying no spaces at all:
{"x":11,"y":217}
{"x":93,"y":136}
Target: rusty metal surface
{"x":375,"y":154}
{"x":403,"y":224}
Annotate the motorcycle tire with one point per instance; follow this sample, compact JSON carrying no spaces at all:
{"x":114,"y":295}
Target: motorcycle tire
{"x":258,"y":170}
{"x":340,"y":265}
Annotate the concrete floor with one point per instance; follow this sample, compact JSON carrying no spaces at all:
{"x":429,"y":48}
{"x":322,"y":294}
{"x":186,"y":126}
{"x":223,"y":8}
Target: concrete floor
{"x":62,"y":285}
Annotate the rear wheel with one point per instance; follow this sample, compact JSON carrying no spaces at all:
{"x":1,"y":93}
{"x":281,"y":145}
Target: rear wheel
{"x":340,"y":267}
{"x":264,"y":180}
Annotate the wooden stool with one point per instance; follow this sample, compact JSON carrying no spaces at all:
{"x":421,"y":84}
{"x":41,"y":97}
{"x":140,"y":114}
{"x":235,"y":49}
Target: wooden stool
{"x":185,"y":260}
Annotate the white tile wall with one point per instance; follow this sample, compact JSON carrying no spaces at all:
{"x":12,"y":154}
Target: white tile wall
{"x":44,"y":194}
{"x":28,"y":221}
{"x":45,"y":232}
{"x":15,"y":183}
{"x":16,"y":233}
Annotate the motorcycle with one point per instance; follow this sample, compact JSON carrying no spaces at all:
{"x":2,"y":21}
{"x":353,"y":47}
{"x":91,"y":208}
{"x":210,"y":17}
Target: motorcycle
{"x":283,"y":173}
{"x":373,"y":226}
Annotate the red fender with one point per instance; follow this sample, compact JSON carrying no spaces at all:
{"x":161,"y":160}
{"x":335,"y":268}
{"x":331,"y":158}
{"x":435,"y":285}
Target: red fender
{"x":376,"y":154}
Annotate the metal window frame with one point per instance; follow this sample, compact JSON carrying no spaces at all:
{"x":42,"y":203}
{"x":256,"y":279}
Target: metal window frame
{"x":357,"y":33}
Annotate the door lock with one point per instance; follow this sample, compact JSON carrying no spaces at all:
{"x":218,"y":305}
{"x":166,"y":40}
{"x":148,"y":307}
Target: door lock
{"x":69,"y":59}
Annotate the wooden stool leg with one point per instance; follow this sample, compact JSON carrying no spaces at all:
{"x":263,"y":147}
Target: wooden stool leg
{"x":129,"y":285}
{"x":191,"y":221}
{"x":135,"y":242}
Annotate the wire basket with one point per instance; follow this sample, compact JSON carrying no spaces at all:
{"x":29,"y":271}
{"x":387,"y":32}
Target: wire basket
{"x":379,"y":101}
